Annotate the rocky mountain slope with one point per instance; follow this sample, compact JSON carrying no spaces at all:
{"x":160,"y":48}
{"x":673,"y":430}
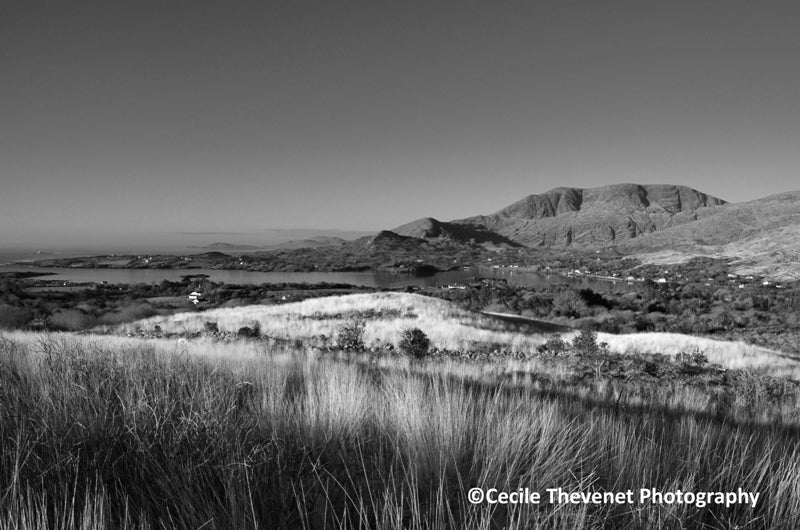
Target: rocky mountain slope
{"x":596,"y":216}
{"x":762,"y":236}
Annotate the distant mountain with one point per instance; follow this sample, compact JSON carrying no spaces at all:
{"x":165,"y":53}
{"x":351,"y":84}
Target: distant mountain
{"x":596,"y":216}
{"x":430,"y":228}
{"x":228,"y":246}
{"x":312,"y":242}
{"x":386,"y":241}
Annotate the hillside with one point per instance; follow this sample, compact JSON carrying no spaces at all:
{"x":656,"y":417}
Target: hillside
{"x":762,"y":236}
{"x":430,"y":228}
{"x":595,"y":216}
{"x":447,"y":325}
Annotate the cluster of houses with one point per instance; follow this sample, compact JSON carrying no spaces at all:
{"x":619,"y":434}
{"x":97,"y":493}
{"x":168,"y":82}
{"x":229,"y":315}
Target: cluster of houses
{"x":477,"y":283}
{"x":740,"y":281}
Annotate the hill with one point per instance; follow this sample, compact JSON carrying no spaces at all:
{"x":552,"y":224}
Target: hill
{"x":595,"y":216}
{"x":311,"y":242}
{"x":447,"y":325}
{"x":466,"y":233}
{"x":761,"y":236}
{"x":228,"y":247}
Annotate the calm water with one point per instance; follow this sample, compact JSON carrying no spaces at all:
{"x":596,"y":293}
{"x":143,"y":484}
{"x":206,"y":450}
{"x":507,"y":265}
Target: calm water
{"x":368,"y":278}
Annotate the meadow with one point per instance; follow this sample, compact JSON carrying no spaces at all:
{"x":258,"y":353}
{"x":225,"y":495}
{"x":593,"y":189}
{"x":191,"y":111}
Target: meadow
{"x":286,"y":431}
{"x":450,"y":328}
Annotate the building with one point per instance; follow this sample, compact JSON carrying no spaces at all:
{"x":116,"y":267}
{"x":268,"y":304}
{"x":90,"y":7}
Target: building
{"x":196,"y":297}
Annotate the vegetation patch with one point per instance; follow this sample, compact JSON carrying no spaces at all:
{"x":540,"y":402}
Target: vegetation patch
{"x":154,"y":434}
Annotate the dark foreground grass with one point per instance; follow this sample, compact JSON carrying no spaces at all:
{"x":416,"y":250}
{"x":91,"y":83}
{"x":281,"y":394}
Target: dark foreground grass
{"x":114,"y":435}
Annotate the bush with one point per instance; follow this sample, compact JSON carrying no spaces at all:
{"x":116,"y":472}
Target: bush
{"x":415,"y":343}
{"x":350,"y":335}
{"x":569,"y":304}
{"x":586,"y":342}
{"x":555,"y":346}
{"x":693,"y":362}
{"x":210,"y":327}
{"x":246,"y":332}
{"x":253,"y":331}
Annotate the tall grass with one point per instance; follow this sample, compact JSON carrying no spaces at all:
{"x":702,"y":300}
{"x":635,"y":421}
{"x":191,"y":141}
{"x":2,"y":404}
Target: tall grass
{"x":121,"y":433}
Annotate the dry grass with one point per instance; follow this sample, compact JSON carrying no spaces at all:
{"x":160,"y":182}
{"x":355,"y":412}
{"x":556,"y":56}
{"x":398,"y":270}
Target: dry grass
{"x":122,"y":433}
{"x":732,"y":355}
{"x":449,"y":328}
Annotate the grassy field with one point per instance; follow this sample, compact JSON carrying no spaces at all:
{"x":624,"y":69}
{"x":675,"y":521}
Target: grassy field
{"x":108,"y":431}
{"x":449,"y":327}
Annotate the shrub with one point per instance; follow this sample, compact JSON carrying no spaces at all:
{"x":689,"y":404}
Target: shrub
{"x":415,"y":343}
{"x":253,"y":331}
{"x":350,"y":335}
{"x":569,"y":304}
{"x":246,"y":332}
{"x":555,"y":346}
{"x":210,"y":327}
{"x":586,"y":342}
{"x":693,"y":362}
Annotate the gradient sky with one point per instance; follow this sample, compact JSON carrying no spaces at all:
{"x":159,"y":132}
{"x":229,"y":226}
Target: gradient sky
{"x":146,"y":119}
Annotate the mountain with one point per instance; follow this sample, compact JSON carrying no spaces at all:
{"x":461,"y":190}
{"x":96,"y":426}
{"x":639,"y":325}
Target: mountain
{"x":468,"y":233}
{"x":761,"y":236}
{"x":387,"y":241}
{"x":311,"y":242}
{"x":595,"y":216}
{"x":228,"y":247}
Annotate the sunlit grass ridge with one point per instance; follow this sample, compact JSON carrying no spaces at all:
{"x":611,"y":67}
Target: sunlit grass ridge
{"x":448,"y":326}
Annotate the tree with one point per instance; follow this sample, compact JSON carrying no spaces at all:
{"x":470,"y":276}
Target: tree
{"x":415,"y":343}
{"x":568,"y":303}
{"x":586,"y":342}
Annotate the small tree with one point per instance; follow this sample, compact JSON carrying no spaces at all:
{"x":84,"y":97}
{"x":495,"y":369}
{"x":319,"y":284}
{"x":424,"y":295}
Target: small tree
{"x":415,"y":343}
{"x":569,"y":304}
{"x":586,"y":342}
{"x":350,"y":335}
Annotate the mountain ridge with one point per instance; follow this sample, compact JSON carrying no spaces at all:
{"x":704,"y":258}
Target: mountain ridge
{"x":590,"y":217}
{"x":571,"y":217}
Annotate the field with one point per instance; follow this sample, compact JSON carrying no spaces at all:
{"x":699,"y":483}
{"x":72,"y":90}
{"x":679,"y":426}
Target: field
{"x":210,"y":430}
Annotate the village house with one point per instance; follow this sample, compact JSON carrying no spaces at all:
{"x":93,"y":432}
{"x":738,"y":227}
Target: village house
{"x":196,"y":297}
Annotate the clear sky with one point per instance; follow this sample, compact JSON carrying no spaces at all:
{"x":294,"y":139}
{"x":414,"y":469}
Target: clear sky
{"x":154,"y":118}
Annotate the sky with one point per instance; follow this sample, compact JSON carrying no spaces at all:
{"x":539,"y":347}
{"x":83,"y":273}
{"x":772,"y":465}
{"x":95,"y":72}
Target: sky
{"x":144,"y":121}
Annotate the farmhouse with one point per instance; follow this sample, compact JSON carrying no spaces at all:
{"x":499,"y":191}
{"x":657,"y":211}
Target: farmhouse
{"x":196,"y":297}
